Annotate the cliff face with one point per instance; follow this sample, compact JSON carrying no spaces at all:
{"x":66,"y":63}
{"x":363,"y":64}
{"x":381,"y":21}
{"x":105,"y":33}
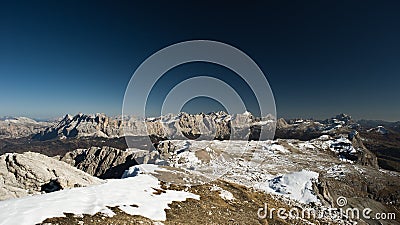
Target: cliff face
{"x":107,"y":162}
{"x":365,"y":157}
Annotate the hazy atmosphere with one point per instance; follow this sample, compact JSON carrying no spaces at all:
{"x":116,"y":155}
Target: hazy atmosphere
{"x":320,"y":58}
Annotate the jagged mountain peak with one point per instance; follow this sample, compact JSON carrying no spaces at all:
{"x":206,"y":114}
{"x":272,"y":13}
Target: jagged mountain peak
{"x":216,"y":125}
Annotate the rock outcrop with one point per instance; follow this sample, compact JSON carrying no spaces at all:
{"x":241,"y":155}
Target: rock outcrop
{"x":281,"y":123}
{"x":33,"y":173}
{"x":107,"y":162}
{"x":365,"y":156}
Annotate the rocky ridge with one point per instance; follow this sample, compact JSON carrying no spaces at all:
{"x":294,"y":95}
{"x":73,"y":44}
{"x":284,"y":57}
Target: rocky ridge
{"x":218,"y":125}
{"x":98,"y":125}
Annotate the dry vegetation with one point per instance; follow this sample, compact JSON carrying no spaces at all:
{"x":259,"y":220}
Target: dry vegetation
{"x":211,"y":209}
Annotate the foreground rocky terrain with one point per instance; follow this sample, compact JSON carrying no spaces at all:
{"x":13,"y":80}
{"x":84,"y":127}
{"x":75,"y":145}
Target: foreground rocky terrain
{"x":220,"y":202}
{"x":140,"y":198}
{"x":212,"y":163}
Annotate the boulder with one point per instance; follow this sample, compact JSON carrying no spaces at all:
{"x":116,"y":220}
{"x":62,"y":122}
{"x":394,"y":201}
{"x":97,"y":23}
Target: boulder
{"x":32,"y":173}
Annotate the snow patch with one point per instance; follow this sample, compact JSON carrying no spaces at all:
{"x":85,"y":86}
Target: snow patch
{"x":134,"y":195}
{"x":142,"y":169}
{"x":224,"y":194}
{"x":295,"y":185}
{"x":342,"y":145}
{"x":275,"y":148}
{"x":306,"y":145}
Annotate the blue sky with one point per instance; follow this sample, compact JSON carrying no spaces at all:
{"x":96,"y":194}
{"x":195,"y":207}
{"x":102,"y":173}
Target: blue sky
{"x":321,"y":59}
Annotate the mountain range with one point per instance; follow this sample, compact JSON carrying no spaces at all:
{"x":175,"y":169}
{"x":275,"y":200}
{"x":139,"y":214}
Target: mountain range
{"x":209,"y":161}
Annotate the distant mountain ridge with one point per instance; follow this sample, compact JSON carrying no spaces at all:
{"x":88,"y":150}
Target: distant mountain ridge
{"x":184,"y":125}
{"x":369,"y":124}
{"x":16,"y":127}
{"x":217,"y":125}
{"x":97,"y":125}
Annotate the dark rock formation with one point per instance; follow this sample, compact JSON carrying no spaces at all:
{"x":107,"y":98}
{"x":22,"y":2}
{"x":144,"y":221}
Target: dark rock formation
{"x":107,"y":162}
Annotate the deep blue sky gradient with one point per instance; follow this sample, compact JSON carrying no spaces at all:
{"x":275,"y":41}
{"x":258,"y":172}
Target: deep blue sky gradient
{"x":320,"y":57}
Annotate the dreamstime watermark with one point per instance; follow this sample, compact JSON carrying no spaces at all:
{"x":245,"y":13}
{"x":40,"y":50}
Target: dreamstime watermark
{"x":350,"y":213}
